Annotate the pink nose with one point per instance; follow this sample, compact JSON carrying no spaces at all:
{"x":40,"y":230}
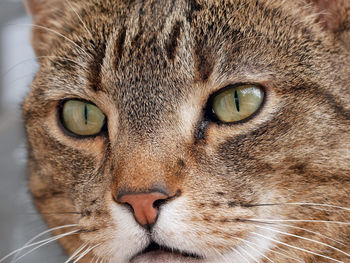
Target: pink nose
{"x":144,"y":206}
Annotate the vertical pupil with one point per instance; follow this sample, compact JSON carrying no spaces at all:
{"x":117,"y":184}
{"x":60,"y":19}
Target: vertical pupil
{"x":85,"y":114}
{"x":236,"y":100}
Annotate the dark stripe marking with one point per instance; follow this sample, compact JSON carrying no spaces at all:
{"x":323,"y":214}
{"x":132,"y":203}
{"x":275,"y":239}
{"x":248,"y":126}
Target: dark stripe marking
{"x":140,"y":32}
{"x":203,"y":63}
{"x":120,"y":46}
{"x":194,"y":7}
{"x":96,"y":64}
{"x":173,"y":40}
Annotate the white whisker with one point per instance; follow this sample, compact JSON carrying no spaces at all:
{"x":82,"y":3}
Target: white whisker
{"x":249,"y":255}
{"x":79,"y":17}
{"x":38,"y":58}
{"x":264,"y":220}
{"x":76,"y":253}
{"x":220,"y":255}
{"x":240,"y":254}
{"x":313,"y":232}
{"x":298,"y":248}
{"x":305,"y":238}
{"x":92,"y":260}
{"x":257,"y":250}
{"x":55,"y":32}
{"x":83,"y":253}
{"x":41,"y":234}
{"x":45,"y":243}
{"x":318,"y":204}
{"x":37,"y":243}
{"x":87,"y":251}
{"x":284,"y":255}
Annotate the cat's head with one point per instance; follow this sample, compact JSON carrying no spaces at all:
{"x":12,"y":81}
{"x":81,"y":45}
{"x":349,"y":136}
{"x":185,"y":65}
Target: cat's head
{"x":217,"y":130}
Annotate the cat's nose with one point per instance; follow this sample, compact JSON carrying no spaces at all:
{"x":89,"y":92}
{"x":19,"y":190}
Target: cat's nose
{"x":145,"y":206}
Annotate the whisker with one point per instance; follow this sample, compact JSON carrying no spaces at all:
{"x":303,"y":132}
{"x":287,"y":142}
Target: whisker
{"x":259,"y":252}
{"x":76,"y":253}
{"x":45,"y":243}
{"x":8,"y":70}
{"x":324,"y":205}
{"x":43,"y":233}
{"x":36,"y":243}
{"x":240,"y":254}
{"x":298,"y":248}
{"x":305,"y":238}
{"x":55,"y":32}
{"x":79,"y":17}
{"x":62,"y":213}
{"x":249,"y":255}
{"x":38,"y":58}
{"x":87,"y":250}
{"x":220,"y":255}
{"x":299,"y":204}
{"x":313,"y":232}
{"x":263,"y":220}
{"x":284,"y":255}
{"x":327,"y":210}
{"x":92,"y":260}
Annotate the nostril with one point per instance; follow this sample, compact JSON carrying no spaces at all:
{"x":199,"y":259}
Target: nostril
{"x":159,"y":202}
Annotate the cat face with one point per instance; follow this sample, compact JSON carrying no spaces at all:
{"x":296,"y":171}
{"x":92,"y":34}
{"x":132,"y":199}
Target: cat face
{"x":167,"y":163}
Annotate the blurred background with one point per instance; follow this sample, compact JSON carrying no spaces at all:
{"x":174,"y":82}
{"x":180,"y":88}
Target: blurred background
{"x":19,"y":221}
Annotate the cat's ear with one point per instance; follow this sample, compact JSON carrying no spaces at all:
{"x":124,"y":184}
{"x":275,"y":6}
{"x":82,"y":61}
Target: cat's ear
{"x":334,"y":15}
{"x":40,"y":7}
{"x":32,"y":6}
{"x":45,"y":14}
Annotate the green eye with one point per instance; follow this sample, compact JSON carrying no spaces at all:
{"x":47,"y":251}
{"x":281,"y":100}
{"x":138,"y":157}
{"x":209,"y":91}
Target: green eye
{"x":82,"y":118}
{"x":237,"y":103}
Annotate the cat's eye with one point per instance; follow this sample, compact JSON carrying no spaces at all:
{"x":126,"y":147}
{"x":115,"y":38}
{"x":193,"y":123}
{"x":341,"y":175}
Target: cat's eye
{"x":82,"y":118}
{"x":237,"y":103}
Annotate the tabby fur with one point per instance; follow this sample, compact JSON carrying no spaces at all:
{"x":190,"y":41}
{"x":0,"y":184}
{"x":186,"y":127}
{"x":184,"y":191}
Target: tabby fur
{"x":151,"y":66}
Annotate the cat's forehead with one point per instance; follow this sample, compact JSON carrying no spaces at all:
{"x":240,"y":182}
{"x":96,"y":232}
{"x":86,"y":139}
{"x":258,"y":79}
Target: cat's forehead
{"x":150,"y":56}
{"x":181,"y":41}
{"x":142,"y":41}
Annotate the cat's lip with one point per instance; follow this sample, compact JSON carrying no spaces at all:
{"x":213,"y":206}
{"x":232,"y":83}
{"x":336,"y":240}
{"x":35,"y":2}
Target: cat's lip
{"x":164,"y":257}
{"x":155,"y":253}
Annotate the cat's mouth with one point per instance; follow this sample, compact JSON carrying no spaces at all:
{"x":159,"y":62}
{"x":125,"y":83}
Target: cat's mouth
{"x":157,"y":253}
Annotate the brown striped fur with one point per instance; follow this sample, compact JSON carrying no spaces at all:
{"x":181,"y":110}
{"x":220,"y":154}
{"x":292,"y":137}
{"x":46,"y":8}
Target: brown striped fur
{"x":151,"y":66}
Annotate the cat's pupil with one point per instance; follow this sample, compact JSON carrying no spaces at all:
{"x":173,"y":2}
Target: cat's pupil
{"x":85,"y":114}
{"x":236,"y":100}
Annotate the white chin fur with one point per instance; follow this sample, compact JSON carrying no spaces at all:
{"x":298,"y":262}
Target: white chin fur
{"x":129,"y":237}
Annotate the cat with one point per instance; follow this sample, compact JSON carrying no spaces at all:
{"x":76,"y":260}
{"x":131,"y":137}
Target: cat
{"x":192,"y":130}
